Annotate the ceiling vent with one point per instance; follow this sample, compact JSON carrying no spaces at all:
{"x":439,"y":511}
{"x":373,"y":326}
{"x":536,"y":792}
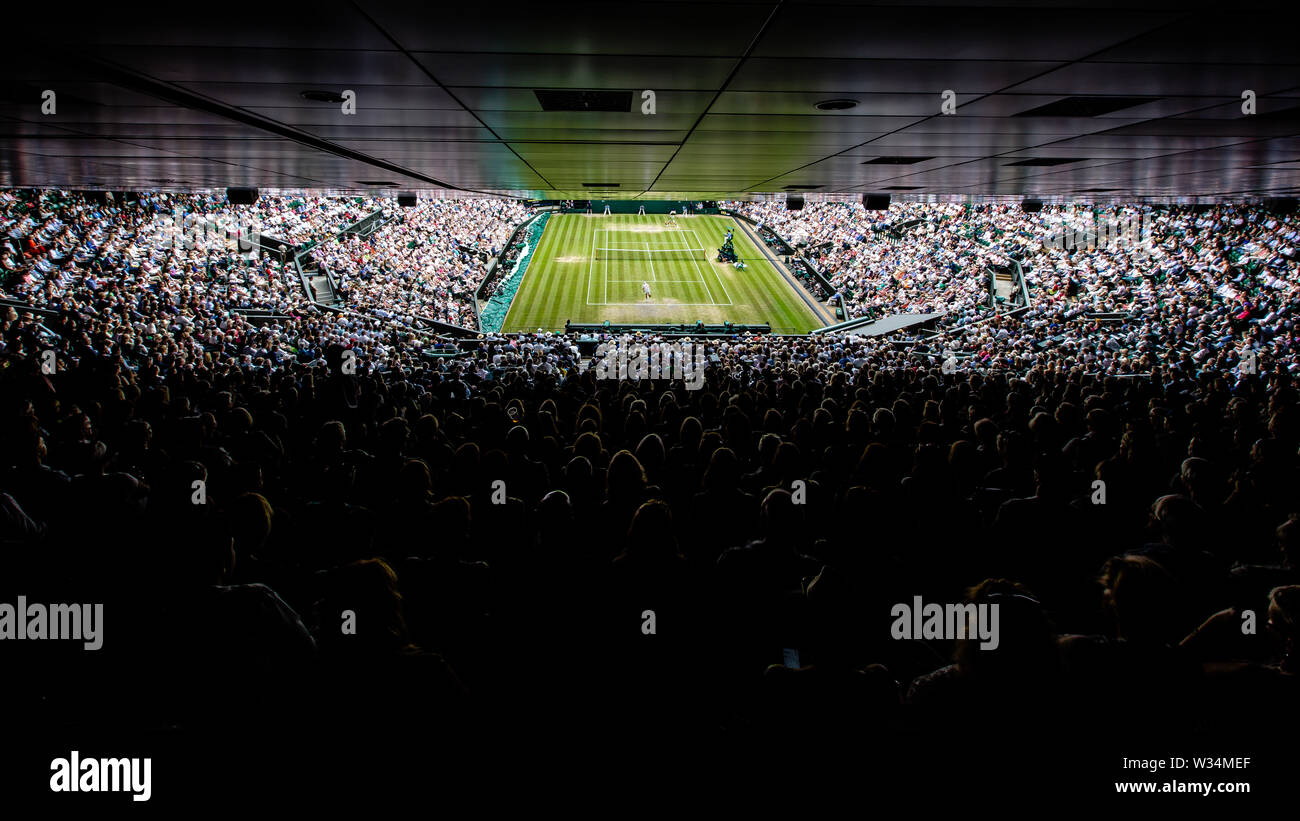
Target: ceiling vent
{"x":896,"y":160}
{"x":1043,"y":161}
{"x":322,"y":96}
{"x":1085,"y":106}
{"x":1285,"y":115}
{"x":578,"y":99}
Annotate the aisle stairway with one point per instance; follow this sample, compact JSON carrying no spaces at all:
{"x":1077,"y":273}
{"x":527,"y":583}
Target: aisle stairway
{"x":320,"y":288}
{"x":1004,"y":285}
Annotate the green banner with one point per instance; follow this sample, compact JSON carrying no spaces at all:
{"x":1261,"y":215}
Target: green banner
{"x":493,"y":314}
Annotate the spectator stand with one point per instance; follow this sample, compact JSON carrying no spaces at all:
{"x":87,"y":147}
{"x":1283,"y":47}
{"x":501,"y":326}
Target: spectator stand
{"x":815,"y":289}
{"x":320,"y":285}
{"x":497,"y":291}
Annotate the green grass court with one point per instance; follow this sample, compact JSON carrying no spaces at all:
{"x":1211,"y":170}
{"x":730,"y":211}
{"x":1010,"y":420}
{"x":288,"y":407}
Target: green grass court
{"x":590,"y":268}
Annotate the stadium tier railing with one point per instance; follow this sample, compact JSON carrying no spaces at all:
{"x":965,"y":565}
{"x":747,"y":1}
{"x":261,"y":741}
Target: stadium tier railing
{"x":1024,"y":283}
{"x":494,"y":269}
{"x":363,"y":227}
{"x":256,"y":315}
{"x":841,"y":327}
{"x":900,"y":229}
{"x":967,"y":325}
{"x":823,"y":284}
{"x":21,"y":306}
{"x":482,"y":255}
{"x":811,"y":274}
{"x":446,"y":328}
{"x":1108,"y":316}
{"x":1019,"y":285}
{"x":991,"y":272}
{"x":281,"y":248}
{"x":366,"y":225}
{"x":692,"y":329}
{"x":485,"y":293}
{"x":427,"y":327}
{"x":254,"y":239}
{"x":302,"y":278}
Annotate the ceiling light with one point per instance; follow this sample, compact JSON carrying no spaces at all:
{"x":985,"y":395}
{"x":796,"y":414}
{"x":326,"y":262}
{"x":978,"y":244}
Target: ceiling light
{"x":322,"y":96}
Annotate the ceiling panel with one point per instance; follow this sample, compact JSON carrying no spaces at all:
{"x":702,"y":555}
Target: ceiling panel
{"x":310,"y":67}
{"x":926,"y":77}
{"x":424,"y":95}
{"x":652,"y":28}
{"x":576,"y":71}
{"x":823,"y":31}
{"x":179,"y":96}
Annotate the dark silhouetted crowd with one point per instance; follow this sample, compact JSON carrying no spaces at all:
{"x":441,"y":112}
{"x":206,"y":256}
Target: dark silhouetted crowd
{"x":455,"y":547}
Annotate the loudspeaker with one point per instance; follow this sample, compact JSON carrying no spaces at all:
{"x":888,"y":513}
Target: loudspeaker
{"x":406,"y":200}
{"x":1281,"y":205}
{"x":241,"y":196}
{"x":793,"y":202}
{"x":1030,"y":206}
{"x":875,"y":202}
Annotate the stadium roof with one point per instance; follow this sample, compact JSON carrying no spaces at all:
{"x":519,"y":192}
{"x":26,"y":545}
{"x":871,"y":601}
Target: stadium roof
{"x":1103,"y":101}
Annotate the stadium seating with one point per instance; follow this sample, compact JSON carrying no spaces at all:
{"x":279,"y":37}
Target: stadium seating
{"x":499,"y":519}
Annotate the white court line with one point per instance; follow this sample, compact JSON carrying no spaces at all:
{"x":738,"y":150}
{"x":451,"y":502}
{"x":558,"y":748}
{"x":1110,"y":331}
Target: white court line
{"x":633,"y":244}
{"x":643,"y":304}
{"x":664,"y":304}
{"x":684,"y":246}
{"x":591,"y":262}
{"x":651,"y":260}
{"x":704,"y":281}
{"x":591,"y":272}
{"x":640,"y":245}
{"x":653,"y":251}
{"x":715,"y":275}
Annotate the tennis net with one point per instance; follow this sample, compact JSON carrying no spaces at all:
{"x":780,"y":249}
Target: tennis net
{"x":642,"y":254}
